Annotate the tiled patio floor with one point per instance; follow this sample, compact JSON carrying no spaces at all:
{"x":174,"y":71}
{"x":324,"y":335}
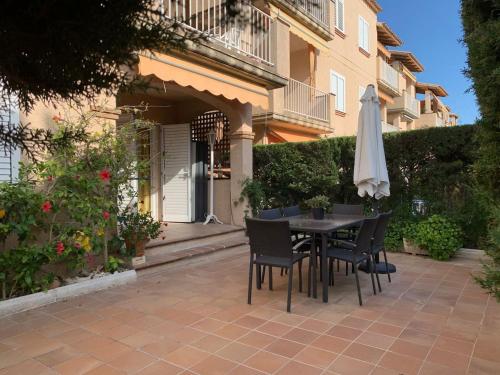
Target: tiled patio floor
{"x":193,"y":319}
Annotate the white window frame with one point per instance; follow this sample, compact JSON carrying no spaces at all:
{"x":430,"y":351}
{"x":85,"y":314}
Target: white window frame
{"x":334,"y":90}
{"x":363,"y":34}
{"x":337,"y":15}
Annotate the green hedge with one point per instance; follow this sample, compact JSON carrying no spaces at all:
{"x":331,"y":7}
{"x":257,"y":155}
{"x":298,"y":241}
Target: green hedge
{"x":431,"y":164}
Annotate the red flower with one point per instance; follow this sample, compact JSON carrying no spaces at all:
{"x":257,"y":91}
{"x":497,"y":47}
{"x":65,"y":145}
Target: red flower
{"x":104,"y":175}
{"x":78,"y":245}
{"x":105,"y":215}
{"x":56,"y":118}
{"x":46,"y":206}
{"x":50,"y":178}
{"x":60,"y":248}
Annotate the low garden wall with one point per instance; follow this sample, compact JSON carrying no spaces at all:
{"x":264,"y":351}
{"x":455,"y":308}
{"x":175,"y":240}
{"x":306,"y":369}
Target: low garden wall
{"x":433,"y":165}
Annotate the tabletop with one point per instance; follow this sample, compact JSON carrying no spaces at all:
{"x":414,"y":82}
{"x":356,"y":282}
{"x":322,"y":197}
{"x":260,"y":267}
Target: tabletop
{"x":331,"y":222}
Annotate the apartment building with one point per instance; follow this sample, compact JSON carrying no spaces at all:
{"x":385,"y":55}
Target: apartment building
{"x":295,"y":72}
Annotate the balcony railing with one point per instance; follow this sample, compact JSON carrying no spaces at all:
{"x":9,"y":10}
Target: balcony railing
{"x":388,"y":74}
{"x":248,"y":33}
{"x":305,"y":100}
{"x":413,"y":104}
{"x":389,"y":128}
{"x":315,"y":9}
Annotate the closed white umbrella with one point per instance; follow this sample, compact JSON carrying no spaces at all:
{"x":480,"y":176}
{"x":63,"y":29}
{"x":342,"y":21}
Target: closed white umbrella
{"x":370,"y":169}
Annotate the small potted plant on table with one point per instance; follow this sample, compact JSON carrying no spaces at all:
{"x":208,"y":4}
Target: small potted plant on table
{"x":318,"y":205}
{"x":137,"y":229}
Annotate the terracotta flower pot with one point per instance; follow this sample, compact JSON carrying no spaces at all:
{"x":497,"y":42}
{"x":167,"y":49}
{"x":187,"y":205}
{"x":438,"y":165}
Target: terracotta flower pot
{"x":133,"y":243}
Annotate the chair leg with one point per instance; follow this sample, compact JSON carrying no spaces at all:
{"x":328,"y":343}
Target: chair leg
{"x":263,"y":275}
{"x":250,"y":274}
{"x":386,"y":265}
{"x":330,"y":271}
{"x":376,"y":273}
{"x":321,"y":267}
{"x":346,"y":268}
{"x":300,"y":276}
{"x":371,"y":275}
{"x":338,"y":265}
{"x":258,"y":276}
{"x":309,"y":276}
{"x":357,"y":285}
{"x":281,"y":273}
{"x":289,"y":296}
{"x":270,"y":278}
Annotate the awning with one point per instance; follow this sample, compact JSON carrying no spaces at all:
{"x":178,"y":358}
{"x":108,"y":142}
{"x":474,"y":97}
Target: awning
{"x":185,"y":73}
{"x":302,"y":32}
{"x":286,"y":136}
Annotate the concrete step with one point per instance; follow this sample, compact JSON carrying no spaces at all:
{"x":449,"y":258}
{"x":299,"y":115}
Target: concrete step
{"x":161,"y":255}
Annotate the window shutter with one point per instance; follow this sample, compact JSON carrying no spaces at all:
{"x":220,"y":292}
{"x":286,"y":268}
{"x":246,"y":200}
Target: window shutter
{"x":363,"y":30}
{"x":339,"y":14}
{"x":9,"y":157}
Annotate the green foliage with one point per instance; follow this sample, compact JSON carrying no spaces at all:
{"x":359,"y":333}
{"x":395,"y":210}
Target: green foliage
{"x":113,"y":264}
{"x":431,"y":164}
{"x":438,"y":235}
{"x":253,"y":191}
{"x":138,"y":225}
{"x":319,"y":201}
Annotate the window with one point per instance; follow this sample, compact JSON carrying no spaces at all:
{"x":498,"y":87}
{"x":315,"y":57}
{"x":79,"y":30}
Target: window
{"x":363,"y":34}
{"x":362,"y":90}
{"x":339,"y":15}
{"x":337,"y":83}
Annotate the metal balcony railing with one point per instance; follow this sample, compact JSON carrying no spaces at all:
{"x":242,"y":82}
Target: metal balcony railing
{"x":307,"y":101}
{"x":248,"y":33}
{"x":315,"y":9}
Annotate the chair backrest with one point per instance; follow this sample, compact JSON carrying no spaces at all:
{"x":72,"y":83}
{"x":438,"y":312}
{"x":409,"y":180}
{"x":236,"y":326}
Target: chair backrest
{"x":347,"y":209}
{"x":379,"y":235}
{"x":270,"y":237}
{"x":365,"y":234}
{"x":291,"y":211}
{"x":274,"y":213}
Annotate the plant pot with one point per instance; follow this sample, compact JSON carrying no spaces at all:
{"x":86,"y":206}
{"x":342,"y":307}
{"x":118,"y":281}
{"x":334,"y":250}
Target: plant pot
{"x":318,"y":213}
{"x":411,"y":248}
{"x":132,"y":243}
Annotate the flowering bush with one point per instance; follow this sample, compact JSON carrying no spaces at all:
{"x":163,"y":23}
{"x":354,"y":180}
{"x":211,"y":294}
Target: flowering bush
{"x":64,"y":208}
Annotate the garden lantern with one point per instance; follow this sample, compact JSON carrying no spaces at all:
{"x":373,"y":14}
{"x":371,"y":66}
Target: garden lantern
{"x":211,"y":137}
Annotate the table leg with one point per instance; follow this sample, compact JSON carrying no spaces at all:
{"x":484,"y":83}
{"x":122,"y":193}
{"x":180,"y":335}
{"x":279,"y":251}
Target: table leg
{"x":324,"y":268}
{"x":314,"y":258}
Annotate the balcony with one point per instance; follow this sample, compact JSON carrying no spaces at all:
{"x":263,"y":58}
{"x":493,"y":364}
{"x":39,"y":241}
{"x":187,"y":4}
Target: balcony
{"x":389,"y":128}
{"x":306,"y":101}
{"x":388,"y":78}
{"x":250,"y":35}
{"x":317,"y":10}
{"x":406,"y":105}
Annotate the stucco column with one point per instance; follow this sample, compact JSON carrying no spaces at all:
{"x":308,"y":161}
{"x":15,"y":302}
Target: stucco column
{"x":241,"y":140}
{"x":281,"y":59}
{"x":428,"y":102}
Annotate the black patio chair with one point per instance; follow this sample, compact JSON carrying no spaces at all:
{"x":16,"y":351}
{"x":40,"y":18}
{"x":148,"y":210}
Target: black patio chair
{"x":271,"y":245}
{"x":291,"y":211}
{"x":355,"y":252}
{"x":271,"y":214}
{"x":378,"y":242}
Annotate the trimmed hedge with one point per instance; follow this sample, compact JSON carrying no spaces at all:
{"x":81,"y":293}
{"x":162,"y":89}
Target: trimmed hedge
{"x":430,"y":164}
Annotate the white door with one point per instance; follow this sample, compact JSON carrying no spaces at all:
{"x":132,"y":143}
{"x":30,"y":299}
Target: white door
{"x":176,"y":172}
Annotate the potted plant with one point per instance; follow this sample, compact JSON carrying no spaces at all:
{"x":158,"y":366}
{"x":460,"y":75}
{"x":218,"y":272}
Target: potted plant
{"x":318,"y":205}
{"x":137,"y":229}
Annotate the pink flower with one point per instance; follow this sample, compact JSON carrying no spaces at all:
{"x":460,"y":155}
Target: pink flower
{"x":46,"y":206}
{"x":105,"y":175}
{"x":56,"y":118}
{"x":105,"y":215}
{"x":50,"y":178}
{"x":59,"y":248}
{"x":78,"y":245}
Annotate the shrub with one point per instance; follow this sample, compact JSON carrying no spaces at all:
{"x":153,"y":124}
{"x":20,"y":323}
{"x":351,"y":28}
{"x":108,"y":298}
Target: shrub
{"x":438,"y":235}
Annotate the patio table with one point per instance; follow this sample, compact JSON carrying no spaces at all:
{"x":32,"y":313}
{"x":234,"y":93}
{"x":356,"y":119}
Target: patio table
{"x":331,"y":223}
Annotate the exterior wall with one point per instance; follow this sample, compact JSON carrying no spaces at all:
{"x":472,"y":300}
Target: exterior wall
{"x":357,"y":68}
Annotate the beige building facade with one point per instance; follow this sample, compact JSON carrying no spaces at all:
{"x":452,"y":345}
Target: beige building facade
{"x":295,"y":73}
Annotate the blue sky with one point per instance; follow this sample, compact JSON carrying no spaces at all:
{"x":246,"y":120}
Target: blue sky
{"x":431,"y":29}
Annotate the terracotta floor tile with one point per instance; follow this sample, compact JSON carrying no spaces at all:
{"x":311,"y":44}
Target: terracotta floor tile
{"x":353,"y":322}
{"x":455,"y":346}
{"x":315,"y":325}
{"x":385,"y":329}
{"x":57,"y":356}
{"x":78,"y":365}
{"x":301,"y":335}
{"x":73,"y":336}
{"x":364,"y":352}
{"x":266,"y":362}
{"x":429,"y":368}
{"x":404,"y":364}
{"x":186,"y":335}
{"x":330,"y":343}
{"x":257,"y":339}
{"x":186,"y":357}
{"x":344,"y":332}
{"x":449,"y":359}
{"x":299,"y":368}
{"x":418,"y":337}
{"x":284,"y":348}
{"x":208,"y":325}
{"x":410,"y":349}
{"x":161,"y":348}
{"x":274,"y":329}
{"x":210,"y":343}
{"x":132,"y":362}
{"x":11,"y":357}
{"x":105,"y":370}
{"x":350,"y":366}
{"x":249,"y":321}
{"x":384,"y":371}
{"x":237,"y":352}
{"x":28,"y":367}
{"x":119,"y":332}
{"x":140,"y":339}
{"x":161,"y":368}
{"x":487,"y":348}
{"x":231,"y":331}
{"x":214,"y":365}
{"x":289,"y":319}
{"x":102,"y":348}
{"x":376,"y":340}
{"x":315,"y":357}
{"x":244,"y":370}
{"x":480,"y":366}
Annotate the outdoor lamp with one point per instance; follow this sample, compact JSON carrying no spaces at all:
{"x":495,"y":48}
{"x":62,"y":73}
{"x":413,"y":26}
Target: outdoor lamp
{"x":211,"y":137}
